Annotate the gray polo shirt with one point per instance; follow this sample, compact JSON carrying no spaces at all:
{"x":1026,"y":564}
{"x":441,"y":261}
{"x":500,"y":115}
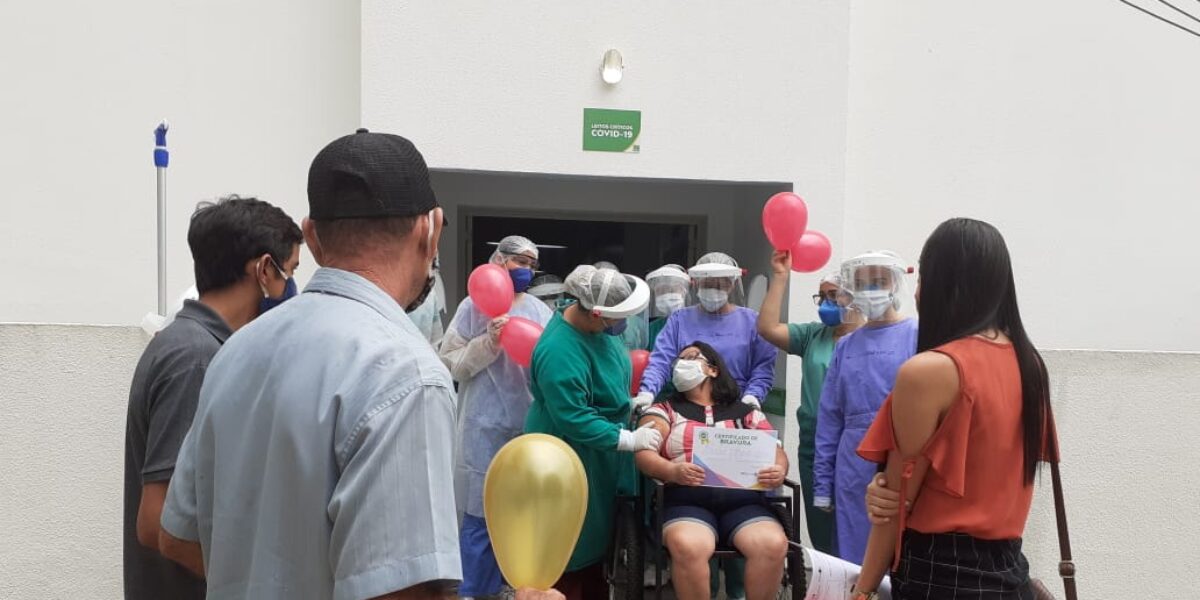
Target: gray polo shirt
{"x":320,"y":463}
{"x":162,"y":400}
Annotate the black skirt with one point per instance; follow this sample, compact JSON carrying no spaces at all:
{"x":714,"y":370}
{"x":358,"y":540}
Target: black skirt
{"x":955,"y":565}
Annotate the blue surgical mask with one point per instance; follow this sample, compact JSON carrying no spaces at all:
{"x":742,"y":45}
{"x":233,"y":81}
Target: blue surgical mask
{"x":830,"y":313}
{"x":521,"y":278}
{"x":617,"y":329}
{"x":289,"y":292}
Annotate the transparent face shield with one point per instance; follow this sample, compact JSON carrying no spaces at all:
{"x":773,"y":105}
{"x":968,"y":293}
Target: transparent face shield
{"x":637,"y":331}
{"x":716,"y":286}
{"x":550,"y":290}
{"x":669,"y":293}
{"x":636,"y":302}
{"x":629,"y":318}
{"x":554,"y":302}
{"x":871,"y":288}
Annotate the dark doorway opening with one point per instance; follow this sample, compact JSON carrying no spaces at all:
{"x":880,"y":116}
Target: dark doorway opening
{"x":634,"y":247}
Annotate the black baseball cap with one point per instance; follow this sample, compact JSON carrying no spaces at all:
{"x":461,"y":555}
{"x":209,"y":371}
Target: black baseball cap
{"x":369,"y":175}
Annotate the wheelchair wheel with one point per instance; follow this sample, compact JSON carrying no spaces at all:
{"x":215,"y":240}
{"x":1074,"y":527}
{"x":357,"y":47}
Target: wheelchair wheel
{"x":626,"y":565}
{"x":795,"y":586}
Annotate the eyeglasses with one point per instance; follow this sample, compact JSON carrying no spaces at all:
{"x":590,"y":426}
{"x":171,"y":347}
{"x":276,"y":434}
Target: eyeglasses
{"x":523,"y":261}
{"x":830,"y":295}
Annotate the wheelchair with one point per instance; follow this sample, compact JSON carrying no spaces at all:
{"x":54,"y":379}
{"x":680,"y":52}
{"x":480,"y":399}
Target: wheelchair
{"x":637,"y":536}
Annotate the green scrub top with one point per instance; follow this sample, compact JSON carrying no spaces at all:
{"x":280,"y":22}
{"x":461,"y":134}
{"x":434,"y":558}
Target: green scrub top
{"x":580,"y":383}
{"x":814,"y":344}
{"x":656,"y":327}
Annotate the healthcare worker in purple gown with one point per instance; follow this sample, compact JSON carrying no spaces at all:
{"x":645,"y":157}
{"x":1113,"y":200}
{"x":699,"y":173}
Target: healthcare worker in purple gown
{"x":493,"y":399}
{"x":859,"y":379}
{"x":718,"y":321}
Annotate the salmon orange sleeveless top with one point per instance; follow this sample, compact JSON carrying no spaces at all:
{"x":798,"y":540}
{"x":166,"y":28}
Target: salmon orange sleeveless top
{"x":976,"y":482}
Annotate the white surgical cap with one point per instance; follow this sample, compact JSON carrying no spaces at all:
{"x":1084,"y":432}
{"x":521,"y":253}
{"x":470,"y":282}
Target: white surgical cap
{"x":597,"y":287}
{"x":514,"y":245}
{"x":717,"y":258}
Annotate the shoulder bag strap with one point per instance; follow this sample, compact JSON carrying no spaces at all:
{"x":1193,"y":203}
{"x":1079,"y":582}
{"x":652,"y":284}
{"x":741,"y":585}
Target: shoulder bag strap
{"x":1066,"y":568}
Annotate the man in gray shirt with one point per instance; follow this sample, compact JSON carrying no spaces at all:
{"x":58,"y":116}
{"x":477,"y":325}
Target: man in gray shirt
{"x":319,"y":464}
{"x":243,"y":252}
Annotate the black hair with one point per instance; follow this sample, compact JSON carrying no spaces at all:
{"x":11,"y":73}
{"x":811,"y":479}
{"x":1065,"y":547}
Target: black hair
{"x":348,"y":237}
{"x":724,"y":389}
{"x":967,"y":287}
{"x":226,"y":234}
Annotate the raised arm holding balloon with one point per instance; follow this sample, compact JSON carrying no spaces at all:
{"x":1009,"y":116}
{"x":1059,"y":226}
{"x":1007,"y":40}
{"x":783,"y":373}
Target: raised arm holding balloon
{"x":785,"y":219}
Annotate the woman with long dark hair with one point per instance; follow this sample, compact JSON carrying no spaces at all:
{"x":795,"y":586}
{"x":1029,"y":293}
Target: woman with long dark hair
{"x":963,"y":431}
{"x":698,"y":519}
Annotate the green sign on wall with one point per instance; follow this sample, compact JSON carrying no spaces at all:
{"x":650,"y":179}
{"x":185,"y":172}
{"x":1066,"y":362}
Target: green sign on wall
{"x":608,"y":130}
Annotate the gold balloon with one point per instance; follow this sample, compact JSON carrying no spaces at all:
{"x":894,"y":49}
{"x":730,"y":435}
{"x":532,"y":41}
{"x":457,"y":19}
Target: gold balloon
{"x":534,"y":500}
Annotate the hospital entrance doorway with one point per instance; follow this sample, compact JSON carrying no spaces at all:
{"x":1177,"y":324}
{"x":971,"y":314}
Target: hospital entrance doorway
{"x":566,"y":241}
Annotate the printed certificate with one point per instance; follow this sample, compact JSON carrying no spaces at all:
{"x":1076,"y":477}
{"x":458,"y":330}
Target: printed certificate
{"x":732,"y":458}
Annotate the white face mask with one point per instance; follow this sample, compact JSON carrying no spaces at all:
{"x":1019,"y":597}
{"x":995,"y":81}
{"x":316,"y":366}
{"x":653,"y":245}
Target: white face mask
{"x":668,"y":303}
{"x":688,"y":375}
{"x":713,"y":299}
{"x":873,"y":304}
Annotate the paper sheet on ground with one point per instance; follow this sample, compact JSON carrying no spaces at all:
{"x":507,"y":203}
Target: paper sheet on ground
{"x":832,"y":578}
{"x":732,"y":458}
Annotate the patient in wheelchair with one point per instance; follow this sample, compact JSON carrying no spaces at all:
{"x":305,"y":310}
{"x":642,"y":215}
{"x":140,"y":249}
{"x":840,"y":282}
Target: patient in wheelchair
{"x":697,"y":520}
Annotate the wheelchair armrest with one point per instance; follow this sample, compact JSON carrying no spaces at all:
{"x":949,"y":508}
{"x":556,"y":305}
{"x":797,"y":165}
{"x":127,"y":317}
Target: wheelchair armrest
{"x":792,"y":485}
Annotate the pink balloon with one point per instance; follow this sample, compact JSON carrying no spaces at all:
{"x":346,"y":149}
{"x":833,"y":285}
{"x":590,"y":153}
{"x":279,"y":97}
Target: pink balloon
{"x":812,"y":252}
{"x":785,"y":217}
{"x":491,"y":289}
{"x":518,"y":339}
{"x":639,"y":358}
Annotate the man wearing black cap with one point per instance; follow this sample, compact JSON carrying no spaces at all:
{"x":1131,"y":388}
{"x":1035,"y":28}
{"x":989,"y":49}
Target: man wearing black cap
{"x":320,"y":463}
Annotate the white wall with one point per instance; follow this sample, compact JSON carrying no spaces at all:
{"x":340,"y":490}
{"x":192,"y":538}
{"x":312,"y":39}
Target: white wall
{"x":1069,"y":125}
{"x":253,"y":90}
{"x":1126,"y":421}
{"x":1128,"y":468}
{"x":756,"y":94}
{"x":503,"y":87}
{"x":62,"y":458}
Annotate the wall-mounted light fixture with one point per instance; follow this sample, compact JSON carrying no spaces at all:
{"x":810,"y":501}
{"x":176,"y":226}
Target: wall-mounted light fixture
{"x":612,"y":68}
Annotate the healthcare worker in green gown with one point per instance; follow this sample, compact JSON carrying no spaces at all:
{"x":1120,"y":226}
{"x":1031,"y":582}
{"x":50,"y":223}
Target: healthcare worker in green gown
{"x":580,"y":378}
{"x":814,"y":343}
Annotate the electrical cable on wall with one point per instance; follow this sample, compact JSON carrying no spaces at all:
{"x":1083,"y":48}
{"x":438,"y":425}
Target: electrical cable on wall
{"x":1160,"y":17}
{"x":1179,"y":10}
